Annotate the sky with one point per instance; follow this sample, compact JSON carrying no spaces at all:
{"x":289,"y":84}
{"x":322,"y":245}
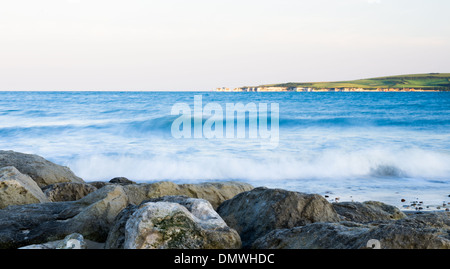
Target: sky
{"x":205,"y":44}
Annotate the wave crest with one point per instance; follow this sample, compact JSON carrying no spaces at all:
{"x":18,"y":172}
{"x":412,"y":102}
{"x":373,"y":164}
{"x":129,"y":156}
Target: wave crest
{"x":330,"y":164}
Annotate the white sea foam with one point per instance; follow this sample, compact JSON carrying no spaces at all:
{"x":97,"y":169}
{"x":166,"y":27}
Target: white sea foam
{"x":328,"y":164}
{"x":375,"y":174}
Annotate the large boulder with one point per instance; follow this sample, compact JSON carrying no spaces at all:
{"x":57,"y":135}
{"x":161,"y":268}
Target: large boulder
{"x":39,"y":169}
{"x":172,"y":222}
{"x":18,"y":189}
{"x":254,"y":213}
{"x":367,"y":211}
{"x":91,"y":216}
{"x":343,"y":235}
{"x":68,"y":191}
{"x":100,"y":209}
{"x":428,"y":231}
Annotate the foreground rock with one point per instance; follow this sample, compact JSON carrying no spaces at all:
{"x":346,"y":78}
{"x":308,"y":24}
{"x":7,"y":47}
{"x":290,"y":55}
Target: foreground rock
{"x":367,"y":211}
{"x":425,"y":231}
{"x":69,"y":191}
{"x":255,"y":213}
{"x":42,"y":171}
{"x":91,"y":217}
{"x":18,"y":189}
{"x":172,"y":222}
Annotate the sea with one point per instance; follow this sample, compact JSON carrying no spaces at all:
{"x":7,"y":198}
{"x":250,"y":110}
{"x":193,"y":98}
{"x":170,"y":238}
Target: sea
{"x":392,"y":147}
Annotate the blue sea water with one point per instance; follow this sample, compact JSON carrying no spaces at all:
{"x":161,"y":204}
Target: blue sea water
{"x":350,"y":146}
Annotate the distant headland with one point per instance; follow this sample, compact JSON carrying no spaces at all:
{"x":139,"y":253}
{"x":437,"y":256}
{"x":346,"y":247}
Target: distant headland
{"x":431,"y":82}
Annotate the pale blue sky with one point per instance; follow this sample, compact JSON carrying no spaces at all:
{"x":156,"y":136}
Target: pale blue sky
{"x":203,"y":44}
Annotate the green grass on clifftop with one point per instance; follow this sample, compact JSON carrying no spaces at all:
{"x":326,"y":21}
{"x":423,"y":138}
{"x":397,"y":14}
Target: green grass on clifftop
{"x":423,"y":81}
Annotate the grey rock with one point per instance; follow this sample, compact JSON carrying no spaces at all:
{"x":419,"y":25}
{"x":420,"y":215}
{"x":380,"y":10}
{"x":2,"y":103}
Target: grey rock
{"x":18,"y":189}
{"x":100,"y":208}
{"x":42,"y":171}
{"x":178,"y":223}
{"x":407,"y":233}
{"x":343,"y":235}
{"x":255,"y":213}
{"x":116,"y":235}
{"x":68,"y":191}
{"x":121,"y":181}
{"x":91,"y":216}
{"x":200,"y":208}
{"x":367,"y":211}
{"x":439,"y":220}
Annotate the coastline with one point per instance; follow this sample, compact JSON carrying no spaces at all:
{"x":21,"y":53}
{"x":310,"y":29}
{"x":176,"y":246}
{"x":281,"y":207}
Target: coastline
{"x":308,"y":89}
{"x":432,"y":82}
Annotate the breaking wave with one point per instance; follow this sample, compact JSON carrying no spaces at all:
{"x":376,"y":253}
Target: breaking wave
{"x":329,"y":164}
